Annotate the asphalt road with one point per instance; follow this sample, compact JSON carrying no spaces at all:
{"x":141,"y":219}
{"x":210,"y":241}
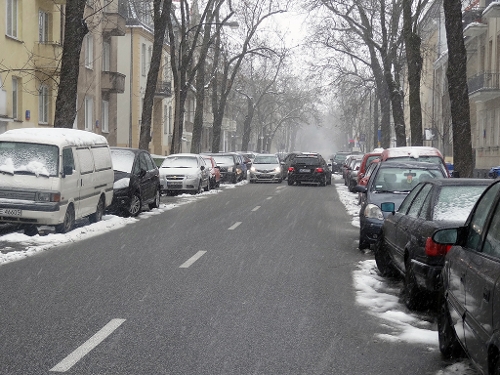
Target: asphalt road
{"x":255,"y":280}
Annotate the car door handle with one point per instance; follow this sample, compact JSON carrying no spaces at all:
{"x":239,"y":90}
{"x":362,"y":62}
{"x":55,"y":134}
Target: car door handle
{"x":486,"y":294}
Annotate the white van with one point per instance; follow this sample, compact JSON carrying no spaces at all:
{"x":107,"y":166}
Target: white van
{"x":53,"y":176}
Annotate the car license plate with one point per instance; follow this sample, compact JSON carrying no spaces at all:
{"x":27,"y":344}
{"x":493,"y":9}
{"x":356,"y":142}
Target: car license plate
{"x":265,"y":176}
{"x":174,"y":184}
{"x":10,"y":212}
{"x":304,"y":170}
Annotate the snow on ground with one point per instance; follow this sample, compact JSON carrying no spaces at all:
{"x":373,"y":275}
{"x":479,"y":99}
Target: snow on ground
{"x":381,"y":297}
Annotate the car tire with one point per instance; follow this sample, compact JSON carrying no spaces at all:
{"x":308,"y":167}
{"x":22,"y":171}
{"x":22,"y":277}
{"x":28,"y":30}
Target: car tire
{"x":135,"y":206}
{"x":280,"y":181}
{"x":200,"y":189}
{"x":290,"y":182}
{"x":207,"y":188}
{"x":69,"y":221}
{"x":449,"y":346}
{"x":99,"y":212}
{"x":31,"y":230}
{"x":412,"y":293}
{"x":383,"y":260}
{"x":156,"y":202}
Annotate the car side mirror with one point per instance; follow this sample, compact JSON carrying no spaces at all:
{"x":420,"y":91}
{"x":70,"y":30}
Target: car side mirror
{"x":447,"y":236}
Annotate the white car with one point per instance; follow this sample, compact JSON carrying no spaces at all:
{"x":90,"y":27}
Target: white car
{"x":266,"y":168}
{"x":184,"y":173}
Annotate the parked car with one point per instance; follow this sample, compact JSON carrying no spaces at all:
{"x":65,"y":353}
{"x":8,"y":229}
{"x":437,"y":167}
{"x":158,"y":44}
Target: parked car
{"x":287,"y":160}
{"x":390,"y":181}
{"x":266,"y":168}
{"x":137,"y":181}
{"x":366,"y":161}
{"x":352,"y":174}
{"x":348,"y":165}
{"x":415,"y":153}
{"x":339,"y":159}
{"x":214,"y":171}
{"x":184,"y":172}
{"x":494,"y":172}
{"x":52,"y":177}
{"x":230,"y":165}
{"x":468,"y":315}
{"x":405,"y":247}
{"x":309,"y":169}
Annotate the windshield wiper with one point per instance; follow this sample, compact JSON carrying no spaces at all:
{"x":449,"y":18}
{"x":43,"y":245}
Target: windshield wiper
{"x":6,"y":172}
{"x":33,"y":173}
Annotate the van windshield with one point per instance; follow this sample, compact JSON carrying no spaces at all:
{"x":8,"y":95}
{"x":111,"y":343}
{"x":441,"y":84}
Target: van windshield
{"x":29,"y":158}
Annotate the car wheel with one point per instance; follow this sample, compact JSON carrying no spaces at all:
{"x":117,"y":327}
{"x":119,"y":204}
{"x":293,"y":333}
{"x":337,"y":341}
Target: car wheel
{"x":323,"y":181}
{"x":207,"y":188}
{"x":99,"y":212}
{"x":449,"y":346}
{"x":200,"y":189}
{"x":279,"y":181}
{"x":69,"y":221}
{"x":363,"y":245}
{"x":290,"y":181}
{"x":412,"y":293}
{"x":156,"y":202}
{"x":383,"y":260}
{"x":31,"y":230}
{"x":135,"y":205}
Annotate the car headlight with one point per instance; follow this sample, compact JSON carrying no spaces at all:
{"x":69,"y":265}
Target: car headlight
{"x":372,"y":211}
{"x":48,"y":197}
{"x":277,"y":169}
{"x":230,"y":169}
{"x":252,"y":169}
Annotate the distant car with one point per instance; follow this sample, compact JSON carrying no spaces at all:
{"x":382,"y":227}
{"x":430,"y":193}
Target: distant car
{"x":494,"y":172}
{"x":214,"y":171}
{"x":352,"y":174}
{"x":231,"y":166}
{"x":287,"y":160}
{"x":347,"y":165}
{"x":184,"y":172}
{"x":137,"y":181}
{"x":266,"y":168}
{"x":309,"y":169}
{"x":338,"y":160}
{"x":415,"y":153}
{"x":468,"y":315}
{"x":405,"y":246}
{"x":390,"y":181}
{"x":366,"y":161}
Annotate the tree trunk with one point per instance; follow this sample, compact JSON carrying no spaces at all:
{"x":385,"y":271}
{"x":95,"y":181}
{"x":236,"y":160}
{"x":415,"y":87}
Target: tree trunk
{"x":160,"y":25}
{"x":75,"y":31}
{"x":247,"y":124}
{"x":457,"y":89}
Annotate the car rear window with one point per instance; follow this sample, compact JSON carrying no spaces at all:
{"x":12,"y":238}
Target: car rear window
{"x":306,"y":160}
{"x":456,"y":202}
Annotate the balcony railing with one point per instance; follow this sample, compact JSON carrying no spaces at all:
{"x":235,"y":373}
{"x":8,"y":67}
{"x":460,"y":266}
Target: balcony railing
{"x":113,"y":82}
{"x":484,"y":86}
{"x":164,"y":89}
{"x":47,"y":56}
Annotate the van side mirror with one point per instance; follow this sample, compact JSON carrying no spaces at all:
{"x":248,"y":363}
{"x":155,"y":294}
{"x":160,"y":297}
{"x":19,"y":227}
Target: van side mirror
{"x":67,"y":170}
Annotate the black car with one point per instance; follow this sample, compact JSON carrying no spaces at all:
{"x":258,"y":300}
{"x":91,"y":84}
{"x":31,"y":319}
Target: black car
{"x":405,"y":245}
{"x":309,"y":169}
{"x":390,"y":181}
{"x":231,"y":166}
{"x":339,"y":159}
{"x":468,"y":315}
{"x":137,"y":181}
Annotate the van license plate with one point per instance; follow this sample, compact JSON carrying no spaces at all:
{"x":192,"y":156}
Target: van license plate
{"x":10,"y":212}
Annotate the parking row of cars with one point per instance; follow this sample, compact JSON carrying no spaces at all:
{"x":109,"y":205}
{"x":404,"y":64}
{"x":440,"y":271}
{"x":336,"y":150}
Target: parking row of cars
{"x":440,"y":235}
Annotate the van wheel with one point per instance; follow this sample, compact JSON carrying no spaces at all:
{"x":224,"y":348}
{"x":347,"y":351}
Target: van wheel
{"x":31,"y":230}
{"x":135,"y":205}
{"x":99,"y":212}
{"x":156,"y":202}
{"x":69,"y":221}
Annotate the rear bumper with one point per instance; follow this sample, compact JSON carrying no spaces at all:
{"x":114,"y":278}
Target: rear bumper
{"x":428,"y":276}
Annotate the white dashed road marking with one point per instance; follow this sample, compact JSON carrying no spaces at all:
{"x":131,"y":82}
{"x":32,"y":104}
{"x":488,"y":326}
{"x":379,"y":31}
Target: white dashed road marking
{"x":256,"y":208}
{"x":87,"y":346}
{"x":193,"y":259}
{"x":234,"y":226}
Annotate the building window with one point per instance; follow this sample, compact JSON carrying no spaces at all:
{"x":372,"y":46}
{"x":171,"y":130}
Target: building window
{"x":89,"y":113}
{"x":12,"y":15}
{"x":15,"y":97}
{"x":143,"y":59}
{"x":43,"y":105}
{"x":89,"y":51}
{"x":150,"y":55}
{"x":105,"y":116}
{"x":43,"y":26}
{"x":106,"y":52}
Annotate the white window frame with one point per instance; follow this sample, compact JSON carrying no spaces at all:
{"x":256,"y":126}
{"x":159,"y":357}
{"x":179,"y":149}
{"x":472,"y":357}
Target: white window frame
{"x":89,"y":51}
{"x":12,"y":22}
{"x":105,"y":116}
{"x":43,"y":26}
{"x":15,"y":98}
{"x":43,"y":104}
{"x":89,"y":113}
{"x":143,"y":59}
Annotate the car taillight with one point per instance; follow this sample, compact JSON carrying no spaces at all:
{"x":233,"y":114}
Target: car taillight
{"x":319,"y":170}
{"x":433,"y":249}
{"x":291,"y":169}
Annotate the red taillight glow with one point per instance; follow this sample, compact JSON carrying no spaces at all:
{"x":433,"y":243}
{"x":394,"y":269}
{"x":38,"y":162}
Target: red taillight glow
{"x":291,"y":169}
{"x":433,"y":249}
{"x":319,"y":170}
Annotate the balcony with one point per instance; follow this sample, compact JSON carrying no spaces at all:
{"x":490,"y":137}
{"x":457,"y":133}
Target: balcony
{"x":114,"y":24}
{"x":164,"y":89}
{"x":113,"y":82}
{"x":484,"y":86}
{"x":492,"y":9}
{"x":475,"y":29}
{"x":47,"y":57}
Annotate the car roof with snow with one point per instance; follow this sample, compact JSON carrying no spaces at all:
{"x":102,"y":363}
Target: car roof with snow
{"x":54,"y":136}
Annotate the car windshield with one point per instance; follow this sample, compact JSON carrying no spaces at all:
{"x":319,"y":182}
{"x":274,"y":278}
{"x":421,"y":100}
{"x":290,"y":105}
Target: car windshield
{"x":266,"y":159}
{"x":402,"y":178}
{"x":123,"y":160}
{"x":29,"y":158}
{"x":456,"y":202}
{"x":340,"y":158}
{"x":180,"y":162}
{"x":224,"y":159}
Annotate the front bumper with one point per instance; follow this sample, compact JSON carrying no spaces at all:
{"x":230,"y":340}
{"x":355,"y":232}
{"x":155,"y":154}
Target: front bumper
{"x":370,"y":230}
{"x":258,"y":176}
{"x":184,"y":184}
{"x":312,"y":178}
{"x":428,"y":276}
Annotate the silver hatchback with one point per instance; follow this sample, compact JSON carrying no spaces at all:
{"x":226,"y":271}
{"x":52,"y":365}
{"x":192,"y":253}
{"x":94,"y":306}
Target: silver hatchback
{"x":184,"y":173}
{"x":266,"y":168}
